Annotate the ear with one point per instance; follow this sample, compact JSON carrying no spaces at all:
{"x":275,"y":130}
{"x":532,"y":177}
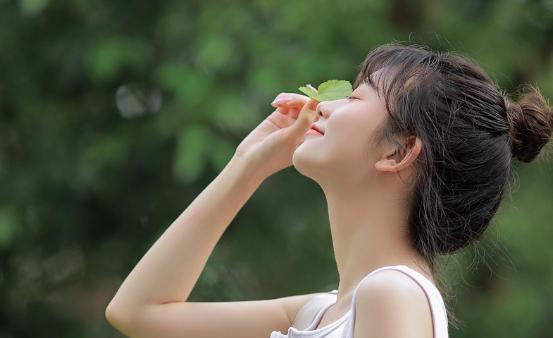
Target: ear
{"x":396,"y":160}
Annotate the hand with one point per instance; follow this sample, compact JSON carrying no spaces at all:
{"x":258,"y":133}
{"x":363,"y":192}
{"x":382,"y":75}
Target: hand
{"x":270,"y":146}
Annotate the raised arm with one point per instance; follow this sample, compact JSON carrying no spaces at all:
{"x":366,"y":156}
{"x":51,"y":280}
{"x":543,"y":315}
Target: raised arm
{"x":169,"y":270}
{"x":152,"y":300}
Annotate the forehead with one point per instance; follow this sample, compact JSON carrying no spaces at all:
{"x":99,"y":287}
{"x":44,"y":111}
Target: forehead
{"x":363,"y":87}
{"x":375,"y":81}
{"x":369,"y":84}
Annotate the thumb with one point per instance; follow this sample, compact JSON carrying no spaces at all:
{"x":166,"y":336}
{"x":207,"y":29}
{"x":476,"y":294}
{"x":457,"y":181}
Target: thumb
{"x":306,"y":117}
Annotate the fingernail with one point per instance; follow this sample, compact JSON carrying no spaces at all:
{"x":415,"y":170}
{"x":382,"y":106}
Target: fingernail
{"x":281,"y":100}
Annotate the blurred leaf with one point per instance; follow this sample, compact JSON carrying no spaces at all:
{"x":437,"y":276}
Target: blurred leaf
{"x":33,"y":7}
{"x":221,"y":151}
{"x":188,"y":85}
{"x":192,"y":146}
{"x":215,"y":52}
{"x":109,"y":55}
{"x":8,"y":226}
{"x":234,"y":111}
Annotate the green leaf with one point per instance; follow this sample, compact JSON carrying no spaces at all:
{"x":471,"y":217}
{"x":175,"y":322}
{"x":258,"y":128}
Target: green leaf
{"x":334,"y":90}
{"x":329,"y":90}
{"x":309,"y":91}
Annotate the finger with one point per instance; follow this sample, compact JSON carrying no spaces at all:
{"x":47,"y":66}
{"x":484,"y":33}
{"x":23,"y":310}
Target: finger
{"x":283,"y":110}
{"x":294,"y":96}
{"x":293,"y":112}
{"x":290,"y":99}
{"x":306,"y":117}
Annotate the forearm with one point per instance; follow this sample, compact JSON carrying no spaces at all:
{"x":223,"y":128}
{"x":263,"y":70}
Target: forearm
{"x":171,"y":267}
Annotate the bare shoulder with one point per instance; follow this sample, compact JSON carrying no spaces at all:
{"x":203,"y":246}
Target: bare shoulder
{"x":391,"y":304}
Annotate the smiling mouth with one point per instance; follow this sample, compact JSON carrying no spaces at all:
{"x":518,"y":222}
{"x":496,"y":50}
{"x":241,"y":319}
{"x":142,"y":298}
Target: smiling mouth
{"x":317,"y":130}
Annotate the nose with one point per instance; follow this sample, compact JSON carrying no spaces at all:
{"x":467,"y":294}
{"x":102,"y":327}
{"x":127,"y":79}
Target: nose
{"x":321,"y":107}
{"x":326,"y":108}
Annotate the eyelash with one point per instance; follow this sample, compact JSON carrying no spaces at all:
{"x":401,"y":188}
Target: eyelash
{"x":350,"y":97}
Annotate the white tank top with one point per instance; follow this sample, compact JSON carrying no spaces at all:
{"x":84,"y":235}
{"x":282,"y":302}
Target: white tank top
{"x":311,"y":313}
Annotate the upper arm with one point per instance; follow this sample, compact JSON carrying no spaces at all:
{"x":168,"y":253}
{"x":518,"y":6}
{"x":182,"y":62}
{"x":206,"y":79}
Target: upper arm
{"x":244,"y":319}
{"x":392,"y":305}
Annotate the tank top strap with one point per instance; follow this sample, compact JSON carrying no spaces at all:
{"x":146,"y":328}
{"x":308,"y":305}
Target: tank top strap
{"x":437,"y":306}
{"x":313,"y":309}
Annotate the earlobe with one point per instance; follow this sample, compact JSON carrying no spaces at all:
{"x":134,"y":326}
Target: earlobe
{"x":386,"y":165}
{"x":389,"y":163}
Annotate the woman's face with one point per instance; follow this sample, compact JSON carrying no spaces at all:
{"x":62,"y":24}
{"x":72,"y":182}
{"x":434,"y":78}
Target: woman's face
{"x":345,"y":148}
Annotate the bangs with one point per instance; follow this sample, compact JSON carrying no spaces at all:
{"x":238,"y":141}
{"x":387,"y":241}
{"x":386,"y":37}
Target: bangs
{"x":394,"y":70}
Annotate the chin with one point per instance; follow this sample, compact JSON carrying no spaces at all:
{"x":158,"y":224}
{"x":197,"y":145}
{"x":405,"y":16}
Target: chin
{"x":308,"y":160}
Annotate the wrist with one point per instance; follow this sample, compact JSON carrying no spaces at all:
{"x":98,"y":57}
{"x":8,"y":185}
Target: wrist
{"x":247,"y":168}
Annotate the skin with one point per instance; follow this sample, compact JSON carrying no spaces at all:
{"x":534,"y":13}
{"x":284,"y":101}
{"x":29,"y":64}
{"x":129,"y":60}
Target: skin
{"x":362,"y":188}
{"x":366,"y":217}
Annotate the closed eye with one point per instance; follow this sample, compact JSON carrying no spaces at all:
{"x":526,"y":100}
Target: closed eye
{"x":350,"y":98}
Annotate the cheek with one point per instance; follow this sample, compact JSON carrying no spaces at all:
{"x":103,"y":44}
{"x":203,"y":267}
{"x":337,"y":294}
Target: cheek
{"x":347,"y":138}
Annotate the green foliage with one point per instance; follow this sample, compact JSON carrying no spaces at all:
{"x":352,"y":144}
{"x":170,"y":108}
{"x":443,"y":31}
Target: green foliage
{"x":8,"y":226}
{"x":86,"y":188}
{"x":192,"y":148}
{"x":328,"y":90}
{"x":113,"y":54}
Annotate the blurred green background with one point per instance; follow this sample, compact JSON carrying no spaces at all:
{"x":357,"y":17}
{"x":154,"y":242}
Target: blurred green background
{"x":114,"y":115}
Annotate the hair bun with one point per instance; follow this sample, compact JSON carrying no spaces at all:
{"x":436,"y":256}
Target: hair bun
{"x":531,"y":124}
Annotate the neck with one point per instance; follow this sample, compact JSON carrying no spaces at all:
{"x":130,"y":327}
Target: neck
{"x":369,"y":230}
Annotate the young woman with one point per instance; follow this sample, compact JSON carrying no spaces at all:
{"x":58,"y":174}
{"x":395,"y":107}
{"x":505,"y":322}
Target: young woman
{"x":413,"y":165}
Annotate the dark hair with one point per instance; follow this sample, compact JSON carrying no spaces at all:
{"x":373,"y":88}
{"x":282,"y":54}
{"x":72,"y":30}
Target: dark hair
{"x":470,"y":132}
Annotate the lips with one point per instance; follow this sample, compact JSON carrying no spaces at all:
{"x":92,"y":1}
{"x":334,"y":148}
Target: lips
{"x":314,"y":127}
